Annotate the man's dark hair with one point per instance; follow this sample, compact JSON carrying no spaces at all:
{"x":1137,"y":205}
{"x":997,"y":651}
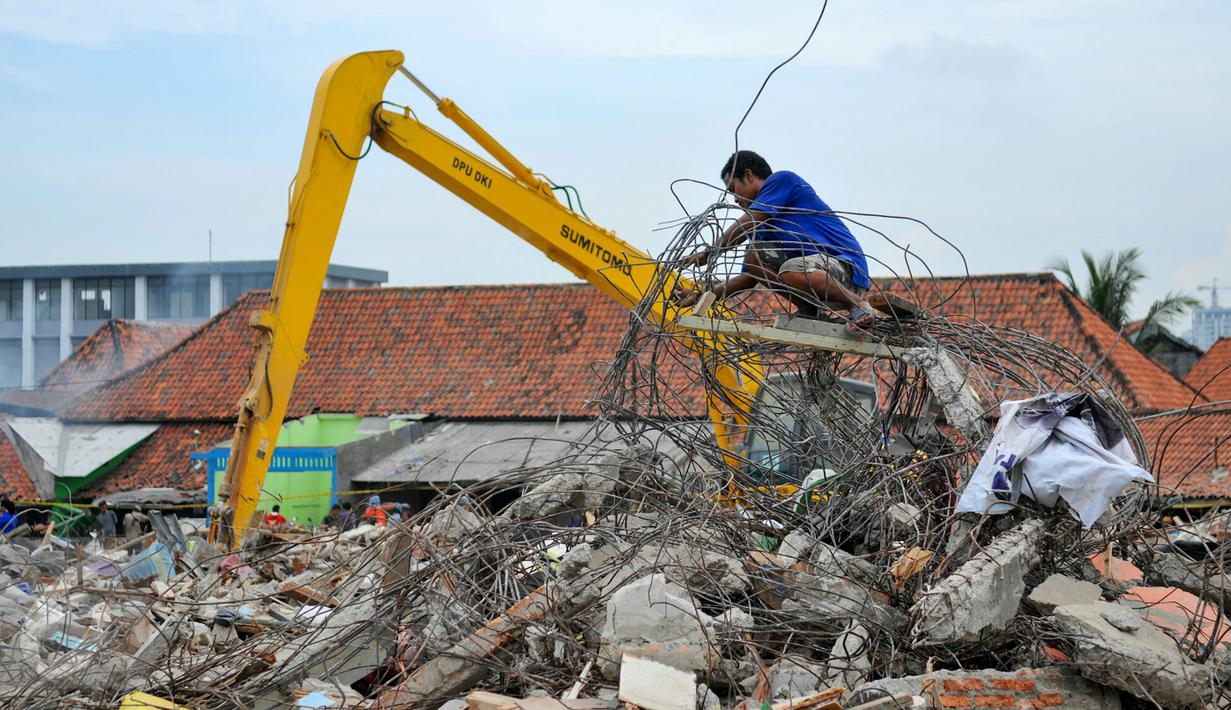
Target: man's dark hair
{"x":277,"y":508}
{"x":742,"y":160}
{"x":346,"y":505}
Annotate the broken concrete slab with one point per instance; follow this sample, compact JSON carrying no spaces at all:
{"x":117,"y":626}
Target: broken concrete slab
{"x":950,"y":386}
{"x":1026,"y":688}
{"x":453,"y":523}
{"x":799,"y":547}
{"x":850,"y":658}
{"x":832,"y":602}
{"x":793,"y":676}
{"x":654,"y":619}
{"x":1059,"y":589}
{"x":1115,"y":646}
{"x":652,"y":685}
{"x":702,"y":571}
{"x":983,"y":594}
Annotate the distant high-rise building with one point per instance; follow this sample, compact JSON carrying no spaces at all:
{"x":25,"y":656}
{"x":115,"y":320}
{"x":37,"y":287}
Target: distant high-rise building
{"x":45,"y":311}
{"x":1210,"y":324}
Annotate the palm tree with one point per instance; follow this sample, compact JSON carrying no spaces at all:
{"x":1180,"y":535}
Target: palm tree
{"x":1111,"y":283}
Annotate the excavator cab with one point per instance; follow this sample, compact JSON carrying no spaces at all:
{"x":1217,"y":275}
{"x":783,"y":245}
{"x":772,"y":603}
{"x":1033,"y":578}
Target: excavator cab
{"x":798,"y":427}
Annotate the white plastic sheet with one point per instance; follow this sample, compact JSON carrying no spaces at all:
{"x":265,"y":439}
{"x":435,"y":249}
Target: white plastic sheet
{"x":1055,"y":446}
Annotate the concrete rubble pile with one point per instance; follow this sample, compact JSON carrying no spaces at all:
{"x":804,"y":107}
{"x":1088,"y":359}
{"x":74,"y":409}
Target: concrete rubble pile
{"x":611,"y":582}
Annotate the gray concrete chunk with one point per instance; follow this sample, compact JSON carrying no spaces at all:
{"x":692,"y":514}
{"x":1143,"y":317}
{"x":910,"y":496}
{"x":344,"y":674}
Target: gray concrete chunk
{"x":1116,"y":647}
{"x":983,"y":594}
{"x":1059,"y":589}
{"x":653,"y":619}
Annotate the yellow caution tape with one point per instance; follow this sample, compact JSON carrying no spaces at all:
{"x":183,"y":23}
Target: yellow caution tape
{"x":137,"y":700}
{"x":304,"y":496}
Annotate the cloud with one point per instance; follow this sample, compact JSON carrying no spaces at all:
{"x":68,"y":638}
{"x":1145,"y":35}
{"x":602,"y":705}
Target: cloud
{"x":576,"y":28}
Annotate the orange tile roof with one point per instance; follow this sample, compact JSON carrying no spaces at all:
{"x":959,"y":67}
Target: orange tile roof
{"x":1190,"y":452}
{"x":117,"y":347}
{"x":13,"y":476}
{"x":1212,"y":373}
{"x":162,"y":460}
{"x":532,"y":351}
{"x":1041,"y":304}
{"x":484,"y":351}
{"x":497,"y":352}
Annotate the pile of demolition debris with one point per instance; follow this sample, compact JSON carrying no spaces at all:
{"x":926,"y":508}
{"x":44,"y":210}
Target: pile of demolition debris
{"x":611,"y":580}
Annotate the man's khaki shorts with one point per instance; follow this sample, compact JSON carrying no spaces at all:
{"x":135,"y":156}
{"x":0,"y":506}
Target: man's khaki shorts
{"x":832,"y":265}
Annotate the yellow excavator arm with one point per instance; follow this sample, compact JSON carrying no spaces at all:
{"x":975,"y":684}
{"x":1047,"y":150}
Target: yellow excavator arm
{"x":347,"y":112}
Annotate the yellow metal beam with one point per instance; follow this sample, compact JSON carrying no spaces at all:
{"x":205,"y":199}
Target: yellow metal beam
{"x":338,"y":126}
{"x":347,"y":111}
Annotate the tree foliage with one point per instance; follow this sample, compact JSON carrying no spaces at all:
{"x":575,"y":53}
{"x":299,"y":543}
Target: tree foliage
{"x":1111,"y":283}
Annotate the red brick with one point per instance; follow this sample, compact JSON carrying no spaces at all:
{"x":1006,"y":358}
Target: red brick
{"x":954,"y":701}
{"x":1013,"y":684}
{"x":995,"y":701}
{"x":1049,"y":700}
{"x":964,"y":684}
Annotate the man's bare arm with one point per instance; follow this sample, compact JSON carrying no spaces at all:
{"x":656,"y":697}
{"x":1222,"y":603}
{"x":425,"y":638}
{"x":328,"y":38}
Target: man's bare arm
{"x":749,"y":278}
{"x":733,"y":236}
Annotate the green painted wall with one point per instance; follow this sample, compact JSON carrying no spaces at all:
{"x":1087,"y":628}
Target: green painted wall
{"x":325,"y":430}
{"x":67,"y":487}
{"x":305,"y":496}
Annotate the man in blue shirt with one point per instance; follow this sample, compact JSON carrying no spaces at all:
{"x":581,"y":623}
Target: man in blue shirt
{"x":797,"y":242}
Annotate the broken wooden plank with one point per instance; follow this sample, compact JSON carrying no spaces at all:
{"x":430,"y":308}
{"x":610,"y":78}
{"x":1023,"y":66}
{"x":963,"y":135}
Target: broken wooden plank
{"x":581,"y":681}
{"x":702,"y":306}
{"x":803,"y":333}
{"x":484,"y":700}
{"x":815,"y":700}
{"x":467,"y":662}
{"x":894,"y":305}
{"x":307,"y":595}
{"x":890,"y":304}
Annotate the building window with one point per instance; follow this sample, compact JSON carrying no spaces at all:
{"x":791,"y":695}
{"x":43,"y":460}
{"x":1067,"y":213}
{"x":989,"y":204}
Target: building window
{"x":10,"y":299}
{"x":178,"y":296}
{"x":47,"y":299}
{"x":103,"y":299}
{"x":236,"y":285}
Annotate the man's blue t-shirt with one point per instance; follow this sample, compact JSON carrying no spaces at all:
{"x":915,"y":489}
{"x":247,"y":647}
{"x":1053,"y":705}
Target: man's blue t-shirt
{"x":799,"y":224}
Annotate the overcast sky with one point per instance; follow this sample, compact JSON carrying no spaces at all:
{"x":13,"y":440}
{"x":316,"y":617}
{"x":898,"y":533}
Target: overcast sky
{"x":1018,"y":130}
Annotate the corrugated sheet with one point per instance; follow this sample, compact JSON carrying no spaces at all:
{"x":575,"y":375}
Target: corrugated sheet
{"x":77,"y":450}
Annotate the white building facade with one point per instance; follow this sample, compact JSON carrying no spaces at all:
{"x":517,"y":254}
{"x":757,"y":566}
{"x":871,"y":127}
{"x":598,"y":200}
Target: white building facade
{"x":45,"y":311}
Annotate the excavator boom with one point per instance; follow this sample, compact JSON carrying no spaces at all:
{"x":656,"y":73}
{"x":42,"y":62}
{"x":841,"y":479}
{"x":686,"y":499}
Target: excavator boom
{"x":347,"y":111}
